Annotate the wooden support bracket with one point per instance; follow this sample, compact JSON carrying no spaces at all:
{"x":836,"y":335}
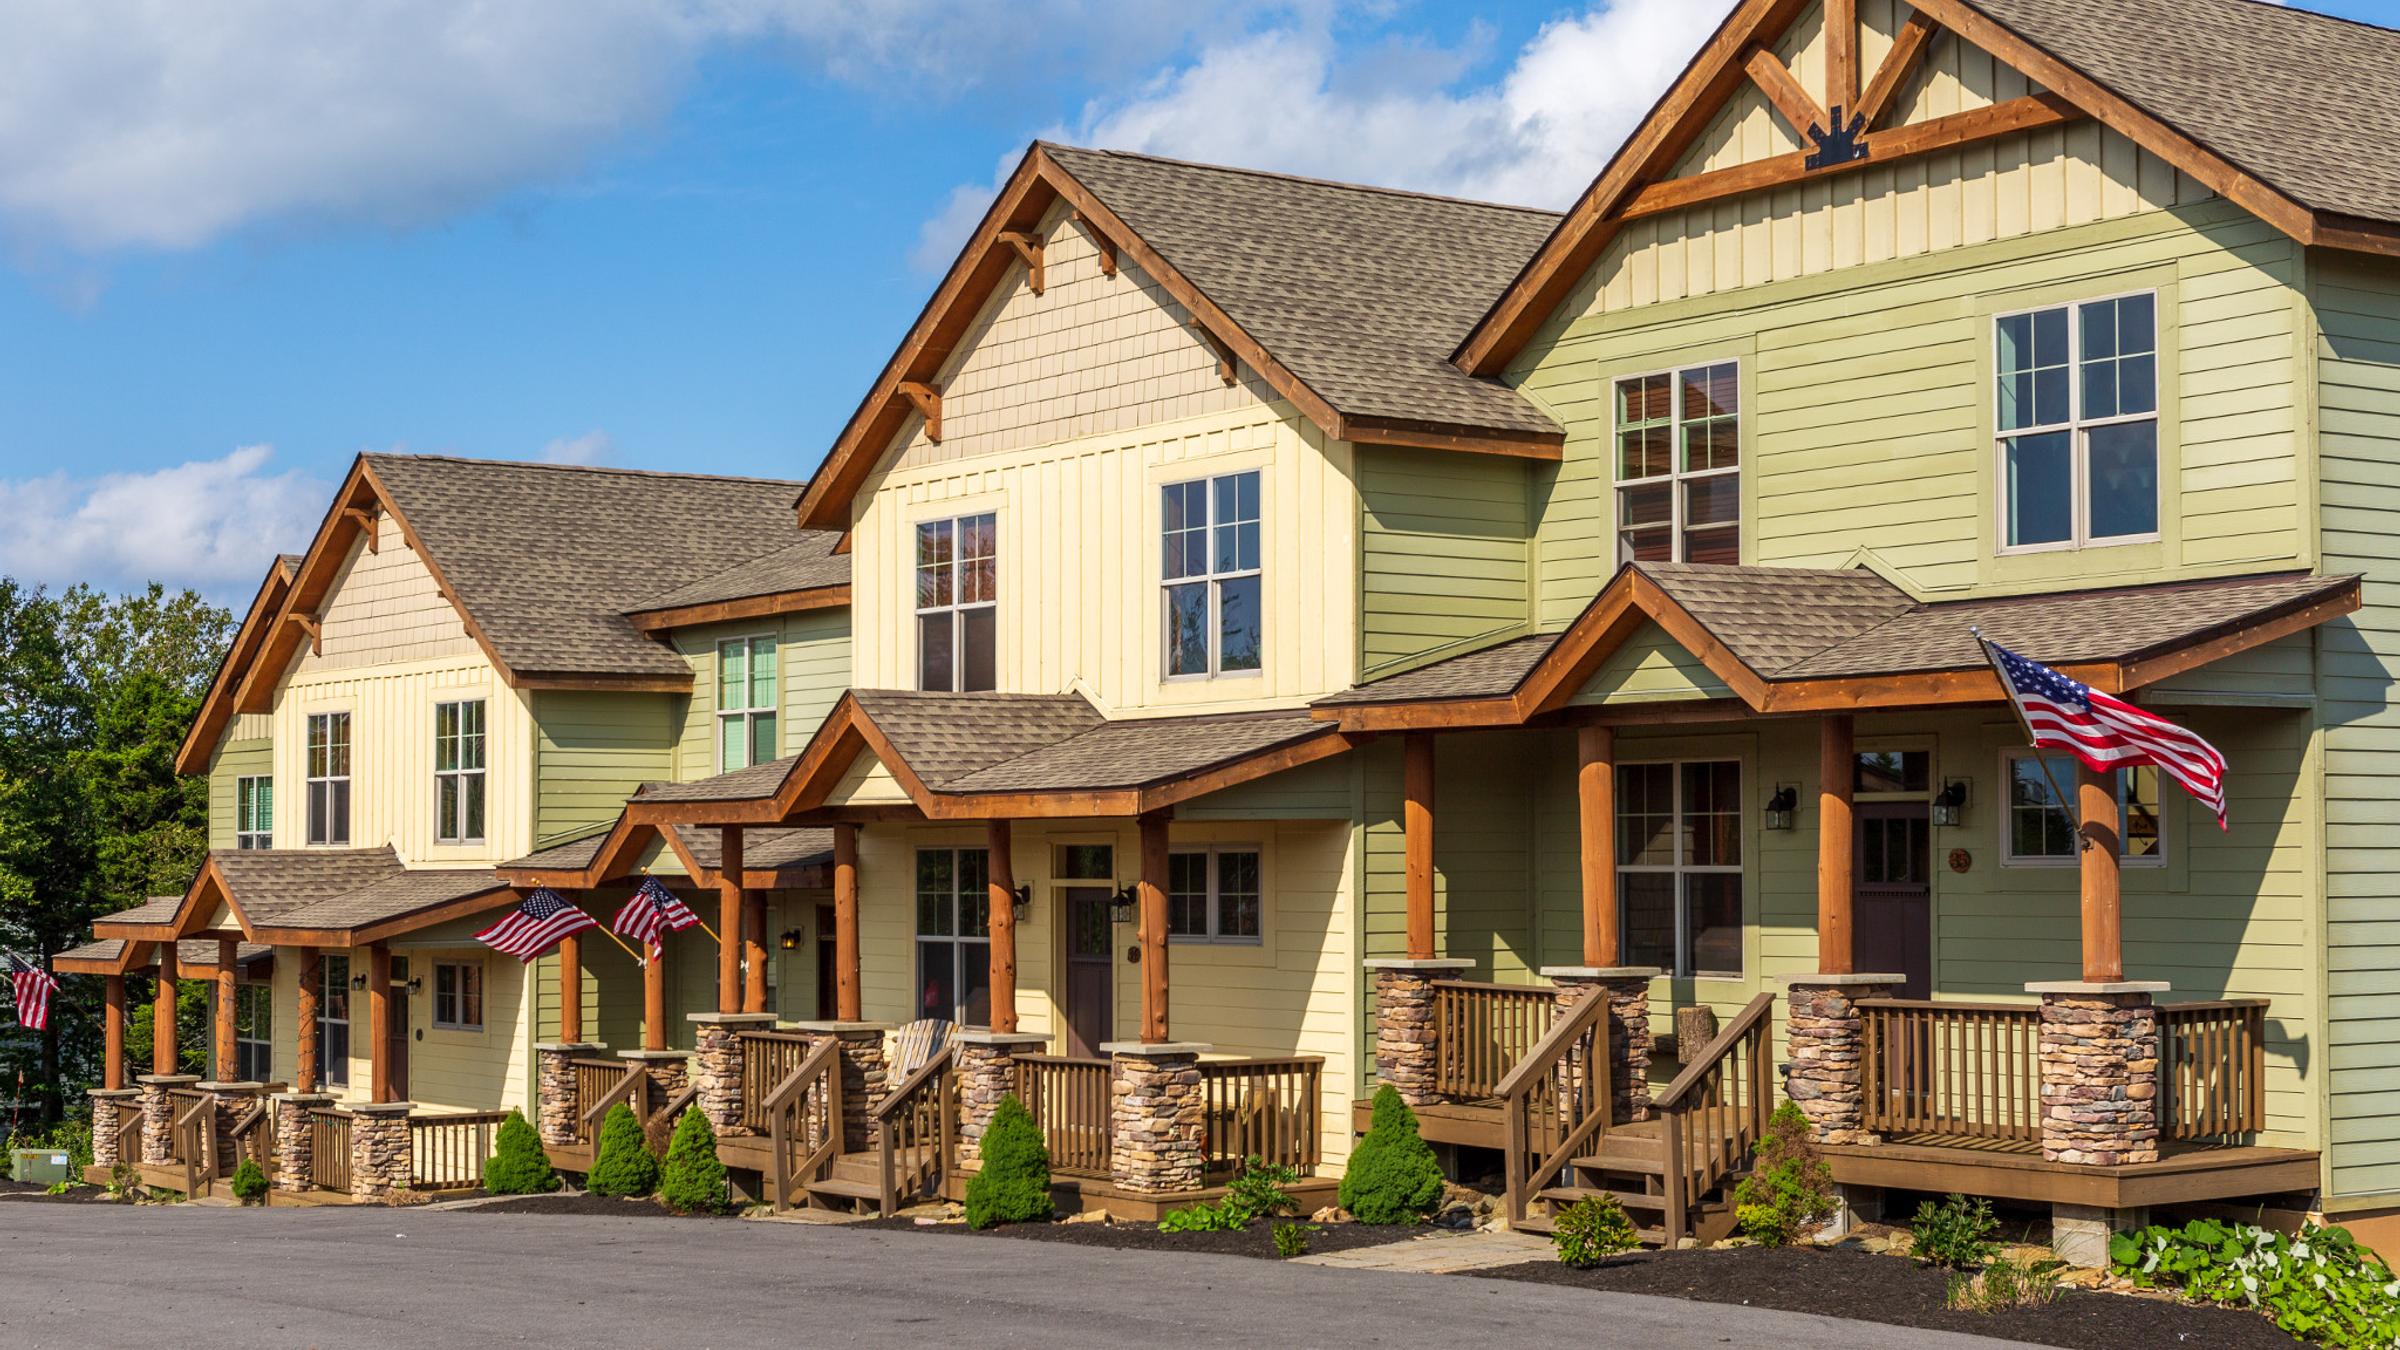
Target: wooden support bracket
{"x":1226,"y":369}
{"x":1100,"y":241}
{"x":1029,"y":250}
{"x":1909,"y":47}
{"x":367,"y":519}
{"x":315,"y":630}
{"x":927,"y":400}
{"x":1775,"y":80}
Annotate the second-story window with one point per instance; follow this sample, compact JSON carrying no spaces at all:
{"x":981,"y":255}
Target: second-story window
{"x":958,"y":595}
{"x":458,"y":757}
{"x":329,"y":778}
{"x":1212,"y":573}
{"x":2077,"y":415}
{"x":1679,"y":465}
{"x":746,"y":688}
{"x":254,"y":811}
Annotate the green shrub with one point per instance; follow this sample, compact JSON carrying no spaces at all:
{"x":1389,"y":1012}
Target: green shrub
{"x":1291,"y":1239}
{"x":123,"y":1180}
{"x":694,"y":1181}
{"x":1014,"y":1183}
{"x":625,"y":1165}
{"x":518,"y":1165}
{"x":1197,"y":1219}
{"x":1789,"y":1192}
{"x":2319,"y":1286}
{"x":1592,"y":1230}
{"x":1955,"y":1234}
{"x":249,"y":1183}
{"x":59,"y":1188}
{"x":1393,"y":1176}
{"x":1257,"y":1192}
{"x":2004,"y":1284}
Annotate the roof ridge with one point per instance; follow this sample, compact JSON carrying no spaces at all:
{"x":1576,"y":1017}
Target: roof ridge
{"x":611,"y":469}
{"x":1443,"y":197}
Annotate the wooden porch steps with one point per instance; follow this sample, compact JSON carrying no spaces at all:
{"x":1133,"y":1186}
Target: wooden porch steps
{"x":1628,"y":1164}
{"x":853,"y":1180}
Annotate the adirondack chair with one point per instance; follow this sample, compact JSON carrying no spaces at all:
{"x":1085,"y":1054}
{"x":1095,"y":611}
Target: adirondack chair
{"x":914,"y":1045}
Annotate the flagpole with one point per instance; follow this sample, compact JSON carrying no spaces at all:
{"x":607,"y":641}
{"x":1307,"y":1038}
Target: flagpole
{"x":2066,"y":804}
{"x":637,"y":956}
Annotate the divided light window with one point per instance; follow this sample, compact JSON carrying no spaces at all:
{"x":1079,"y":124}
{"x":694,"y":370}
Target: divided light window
{"x":958,"y":595}
{"x":954,"y":957}
{"x":254,"y":812}
{"x":1213,"y":895}
{"x":458,"y":995}
{"x":746,"y":700}
{"x":458,"y":759}
{"x":333,"y":1021}
{"x":329,"y":778}
{"x":1212,"y":575}
{"x":2041,"y":829}
{"x":1679,"y":866}
{"x":1679,"y":465}
{"x":2077,"y":415}
{"x":253,"y":1033}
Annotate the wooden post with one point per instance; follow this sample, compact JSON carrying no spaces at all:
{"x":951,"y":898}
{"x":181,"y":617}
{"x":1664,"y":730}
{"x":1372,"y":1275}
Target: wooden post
{"x":2103,"y":901}
{"x":379,"y":1023}
{"x":754,"y":952}
{"x":1001,"y":886}
{"x":846,"y":1004}
{"x":1151,"y":929}
{"x":729,"y":922}
{"x":1836,"y":761}
{"x":654,"y":997}
{"x":570,"y":989}
{"x":162,"y":1017}
{"x":304,"y":1012}
{"x":1841,"y":58}
{"x":112,"y":1036}
{"x":1416,"y":824}
{"x":228,"y":969}
{"x":1596,"y":810}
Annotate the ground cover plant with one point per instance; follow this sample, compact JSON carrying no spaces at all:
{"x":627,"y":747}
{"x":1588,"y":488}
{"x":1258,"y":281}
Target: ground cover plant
{"x":1256,"y":1192}
{"x":2318,"y":1285}
{"x":1592,"y":1230}
{"x":1013,"y":1185}
{"x":1393,"y":1176}
{"x":1954,"y":1233}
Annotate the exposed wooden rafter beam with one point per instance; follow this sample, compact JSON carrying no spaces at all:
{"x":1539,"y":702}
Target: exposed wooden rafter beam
{"x":1841,"y":57}
{"x":1909,"y":47}
{"x":1028,"y":247}
{"x":1775,"y":80}
{"x":927,"y":400}
{"x":1100,"y":241}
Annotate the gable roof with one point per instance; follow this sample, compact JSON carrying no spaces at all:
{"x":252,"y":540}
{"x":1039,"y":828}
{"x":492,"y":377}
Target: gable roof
{"x":331,"y":897}
{"x":1344,"y":299}
{"x":810,"y":574}
{"x":216,"y":710}
{"x":772,"y":856}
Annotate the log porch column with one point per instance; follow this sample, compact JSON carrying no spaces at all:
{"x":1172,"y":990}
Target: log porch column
{"x":1001,"y":907}
{"x":112,"y":1037}
{"x":379,"y":1023}
{"x":729,"y":922}
{"x":162,"y":1020}
{"x":1151,"y":935}
{"x":1823,"y":1024}
{"x":570,"y":989}
{"x":1596,"y":812}
{"x":654,"y":997}
{"x":228,"y":970}
{"x":846,"y":1003}
{"x":2103,"y":899}
{"x":304,"y":1016}
{"x":1416,"y":825}
{"x":1836,"y":761}
{"x":754,"y":952}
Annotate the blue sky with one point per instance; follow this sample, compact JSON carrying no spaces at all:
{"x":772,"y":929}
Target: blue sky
{"x":654,"y":233}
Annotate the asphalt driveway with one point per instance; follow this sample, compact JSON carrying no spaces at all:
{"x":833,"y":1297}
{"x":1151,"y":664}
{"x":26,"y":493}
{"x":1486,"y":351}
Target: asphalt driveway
{"x":93,"y":1276}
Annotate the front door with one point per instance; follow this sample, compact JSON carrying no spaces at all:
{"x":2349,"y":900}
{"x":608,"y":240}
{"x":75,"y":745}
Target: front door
{"x":829,"y":1001}
{"x":1091,"y":995}
{"x":396,"y":1040}
{"x":1893,"y":927}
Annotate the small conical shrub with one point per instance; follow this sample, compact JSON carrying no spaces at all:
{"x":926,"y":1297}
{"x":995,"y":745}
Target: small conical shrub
{"x":625,"y":1165}
{"x":1014,"y":1184}
{"x":1393,"y":1176}
{"x":249,"y":1182}
{"x":694,"y":1181}
{"x":518,"y":1165}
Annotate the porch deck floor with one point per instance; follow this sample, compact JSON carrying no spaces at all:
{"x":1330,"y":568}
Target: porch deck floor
{"x":2014,"y":1169}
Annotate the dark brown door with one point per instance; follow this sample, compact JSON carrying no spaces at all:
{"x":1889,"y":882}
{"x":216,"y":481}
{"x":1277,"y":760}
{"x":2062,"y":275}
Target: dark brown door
{"x":829,"y":996}
{"x":1091,"y":995}
{"x":1893,"y":926}
{"x":396,"y":1041}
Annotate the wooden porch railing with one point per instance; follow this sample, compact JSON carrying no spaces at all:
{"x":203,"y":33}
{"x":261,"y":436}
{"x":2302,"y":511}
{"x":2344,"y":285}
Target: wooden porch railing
{"x":1270,"y":1109}
{"x":1555,"y":1102}
{"x":182,"y":1144}
{"x":1956,"y":1070}
{"x":446,"y":1153}
{"x":916,"y":1132}
{"x":129,"y":1138}
{"x":2212,"y":1068}
{"x":1481,"y":1031}
{"x":1069,"y":1099}
{"x":329,"y":1148}
{"x":594,"y":1079}
{"x":768,"y":1057}
{"x":631,"y":1091}
{"x":1714,"y":1113}
{"x":254,"y":1138}
{"x":196,"y":1141}
{"x":804,"y":1122}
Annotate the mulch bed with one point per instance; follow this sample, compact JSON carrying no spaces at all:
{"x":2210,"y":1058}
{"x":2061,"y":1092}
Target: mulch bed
{"x":1256,"y":1240}
{"x":581,"y":1203}
{"x":79,"y":1195}
{"x":1899,"y":1292}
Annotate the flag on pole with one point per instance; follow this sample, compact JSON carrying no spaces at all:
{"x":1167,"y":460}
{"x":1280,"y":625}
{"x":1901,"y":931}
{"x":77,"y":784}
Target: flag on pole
{"x":32,"y":987}
{"x":536,"y":925}
{"x":2106,"y":733}
{"x":653,"y":912}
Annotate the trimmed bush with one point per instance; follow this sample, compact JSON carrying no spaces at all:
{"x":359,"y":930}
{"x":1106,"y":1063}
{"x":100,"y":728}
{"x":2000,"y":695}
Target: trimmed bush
{"x":1014,"y":1183}
{"x":518,"y":1165}
{"x":1393,"y":1176}
{"x":694,"y":1181}
{"x":249,"y":1183}
{"x":1789,"y":1192}
{"x":1955,"y":1234}
{"x":1592,"y":1230}
{"x":625,"y":1165}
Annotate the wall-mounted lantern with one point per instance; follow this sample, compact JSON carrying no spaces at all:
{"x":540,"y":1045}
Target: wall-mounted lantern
{"x":790,"y":939}
{"x":1021,"y":899}
{"x":1782,"y":807}
{"x":1950,"y":804}
{"x":1120,"y":905}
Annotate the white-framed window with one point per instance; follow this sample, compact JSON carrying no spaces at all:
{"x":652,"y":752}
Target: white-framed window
{"x":2040,"y":828}
{"x":1213,"y":576}
{"x":329,"y":778}
{"x":333,"y":1021}
{"x":2076,"y":413}
{"x":254,"y":811}
{"x":1679,"y":465}
{"x":1214,"y":894}
{"x":253,"y":1033}
{"x":958,"y":599}
{"x":748,"y":686}
{"x":1679,"y":866}
{"x":458,"y":995}
{"x":954,"y":947}
{"x":458,"y":762}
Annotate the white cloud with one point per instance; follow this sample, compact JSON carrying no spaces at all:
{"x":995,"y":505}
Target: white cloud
{"x":592,"y":447}
{"x":210,"y":524}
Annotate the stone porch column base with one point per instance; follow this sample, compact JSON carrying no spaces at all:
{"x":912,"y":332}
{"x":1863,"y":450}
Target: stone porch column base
{"x":2100,"y":1052}
{"x":382,"y":1157}
{"x":555,"y":1112}
{"x":987,"y":1072}
{"x":111,"y":1108}
{"x":158,"y":1113}
{"x":1627,"y":989}
{"x":233,"y":1100}
{"x":296,"y":1139}
{"x":1406,"y":1055}
{"x":1827,"y":1035}
{"x":865,"y":1075}
{"x":717,"y":1065}
{"x":1158,"y":1115}
{"x":670,"y":1072}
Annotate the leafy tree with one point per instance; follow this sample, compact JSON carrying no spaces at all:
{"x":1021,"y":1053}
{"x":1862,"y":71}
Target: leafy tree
{"x":1393,"y":1176}
{"x":518,"y":1165}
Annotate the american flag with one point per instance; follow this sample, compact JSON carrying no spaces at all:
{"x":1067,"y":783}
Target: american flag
{"x":536,"y":925}
{"x":2108,"y":733}
{"x":653,"y":912}
{"x":33,"y":988}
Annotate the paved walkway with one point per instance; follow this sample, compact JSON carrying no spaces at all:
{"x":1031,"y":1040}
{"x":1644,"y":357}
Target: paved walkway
{"x":1441,"y":1254}
{"x":104,"y":1276}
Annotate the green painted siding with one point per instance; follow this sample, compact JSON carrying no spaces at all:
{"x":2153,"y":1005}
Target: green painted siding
{"x":813,"y":652}
{"x":1446,"y":563}
{"x":235,"y":759}
{"x":2358,"y":408}
{"x":592,"y":750}
{"x":612,"y":983}
{"x":1648,"y":668}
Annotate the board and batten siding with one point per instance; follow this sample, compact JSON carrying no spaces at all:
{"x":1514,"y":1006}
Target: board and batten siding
{"x":1445,"y":555}
{"x":812,"y":652}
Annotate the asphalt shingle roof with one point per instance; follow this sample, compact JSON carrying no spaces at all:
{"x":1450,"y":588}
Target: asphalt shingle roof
{"x":806,"y":565}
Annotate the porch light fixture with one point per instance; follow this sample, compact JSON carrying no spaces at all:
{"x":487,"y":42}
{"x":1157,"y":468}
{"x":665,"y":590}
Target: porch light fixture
{"x":359,"y":981}
{"x":416,"y":984}
{"x":1950,"y":804}
{"x":789,"y":940}
{"x":1021,"y":899}
{"x":1120,"y":905}
{"x":1781,"y":807}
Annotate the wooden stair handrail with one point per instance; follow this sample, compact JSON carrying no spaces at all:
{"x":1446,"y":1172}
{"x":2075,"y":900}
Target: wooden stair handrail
{"x":676,"y":1105}
{"x":193,"y":1172}
{"x":781,"y":1105}
{"x":1523,"y":1173}
{"x":635,"y":1080}
{"x":913,"y":1084}
{"x":1552,"y":1047}
{"x":932,"y":1075}
{"x":798,"y":1078}
{"x":1679,"y":1115}
{"x":1697,"y":1067}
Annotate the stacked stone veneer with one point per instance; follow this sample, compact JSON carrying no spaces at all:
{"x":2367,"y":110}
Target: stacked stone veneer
{"x":554,"y":1067}
{"x":1827,"y":1037}
{"x":865,"y":1078}
{"x":1158,"y":1117}
{"x":111,"y":1108}
{"x":381,"y":1155}
{"x":231,"y":1101}
{"x":2099,"y":1048}
{"x":717,"y":1065}
{"x":1406,"y":1055}
{"x":296,"y":1140}
{"x":158,"y":1115}
{"x":987,"y":1072}
{"x":1627,"y":990}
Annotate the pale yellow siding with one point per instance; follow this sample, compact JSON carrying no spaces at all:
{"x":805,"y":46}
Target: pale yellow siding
{"x":386,"y":608}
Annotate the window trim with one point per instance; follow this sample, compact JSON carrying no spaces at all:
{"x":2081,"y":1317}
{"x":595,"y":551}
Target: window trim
{"x":244,"y":797}
{"x":262,"y":997}
{"x":348,"y":779}
{"x":1674,"y":478}
{"x":1743,"y":831}
{"x":748,"y":715}
{"x":1213,"y":579}
{"x":483,"y":742}
{"x":955,"y":609}
{"x":1216,"y":936}
{"x":458,"y":1023}
{"x":333,"y":1071}
{"x":2007,"y":812}
{"x":956,"y":939}
{"x":2077,"y":428}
